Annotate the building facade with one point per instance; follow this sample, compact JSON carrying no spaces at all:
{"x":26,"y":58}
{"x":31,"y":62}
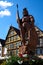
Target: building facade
{"x":2,"y":44}
{"x":13,"y":41}
{"x":39,"y":48}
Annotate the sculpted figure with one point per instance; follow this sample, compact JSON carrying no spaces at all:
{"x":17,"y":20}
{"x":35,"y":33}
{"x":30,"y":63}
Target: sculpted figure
{"x":26,"y":23}
{"x":27,"y":32}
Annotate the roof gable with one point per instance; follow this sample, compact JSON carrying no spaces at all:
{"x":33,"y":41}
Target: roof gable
{"x":12,"y":30}
{"x":39,"y":32}
{"x":17,"y":31}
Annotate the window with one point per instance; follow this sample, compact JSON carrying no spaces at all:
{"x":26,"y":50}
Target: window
{"x":12,"y":32}
{"x":14,"y":38}
{"x":41,"y":51}
{"x":17,"y":51}
{"x":11,"y":46}
{"x":41,"y":41}
{"x":37,"y":51}
{"x":11,"y":52}
{"x":18,"y":44}
{"x":11,"y":38}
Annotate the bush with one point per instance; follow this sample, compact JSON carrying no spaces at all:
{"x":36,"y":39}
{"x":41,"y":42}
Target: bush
{"x":36,"y":62}
{"x":13,"y":61}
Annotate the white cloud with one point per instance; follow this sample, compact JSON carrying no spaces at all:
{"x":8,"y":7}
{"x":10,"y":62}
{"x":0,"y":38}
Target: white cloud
{"x":5,"y":4}
{"x":6,"y":12}
{"x":3,"y":7}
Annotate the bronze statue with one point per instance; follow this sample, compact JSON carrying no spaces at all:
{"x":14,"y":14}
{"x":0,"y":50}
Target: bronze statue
{"x":27,"y":31}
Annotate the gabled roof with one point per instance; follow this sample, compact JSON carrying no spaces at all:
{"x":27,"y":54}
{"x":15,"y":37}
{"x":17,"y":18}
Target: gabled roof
{"x":15,"y":29}
{"x":38,"y":28}
{"x":40,"y":32}
{"x":2,"y":42}
{"x":18,"y":31}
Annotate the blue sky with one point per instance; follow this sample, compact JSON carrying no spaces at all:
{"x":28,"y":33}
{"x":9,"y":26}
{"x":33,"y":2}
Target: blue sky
{"x":8,"y":13}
